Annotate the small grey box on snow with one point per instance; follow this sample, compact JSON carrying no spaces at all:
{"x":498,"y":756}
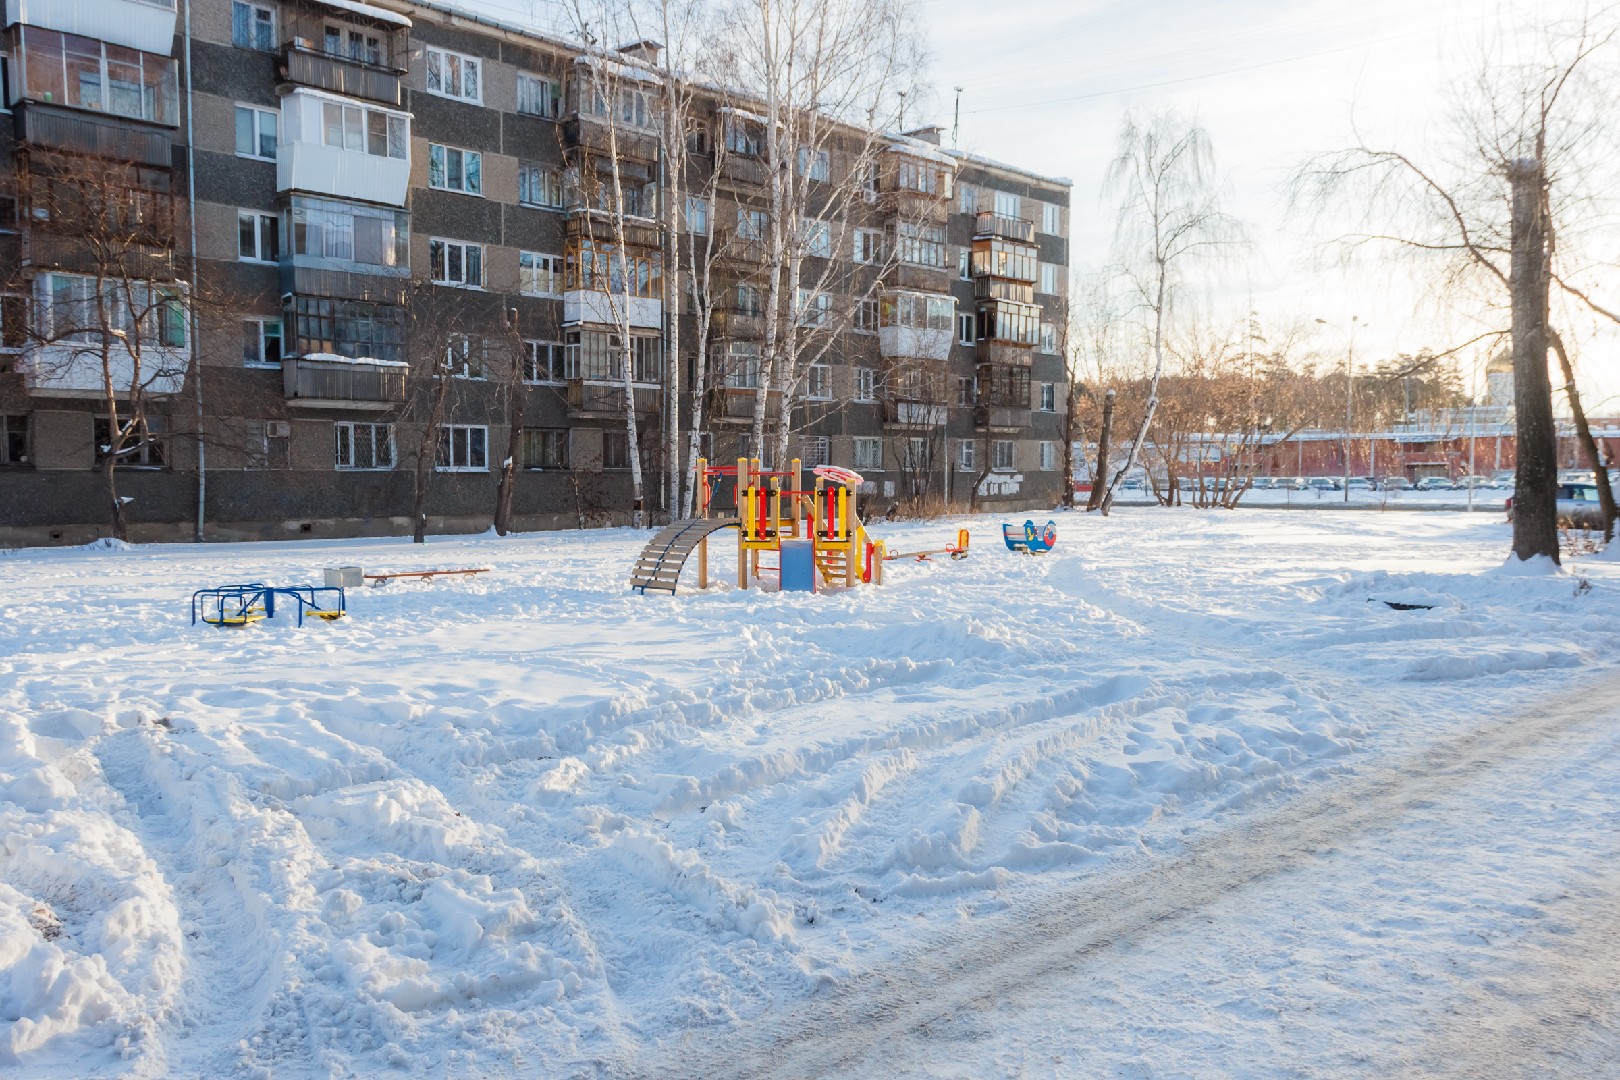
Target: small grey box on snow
{"x":344,"y":577}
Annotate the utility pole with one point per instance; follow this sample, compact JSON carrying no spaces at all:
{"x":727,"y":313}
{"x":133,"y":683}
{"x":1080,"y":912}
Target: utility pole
{"x":956,"y":121}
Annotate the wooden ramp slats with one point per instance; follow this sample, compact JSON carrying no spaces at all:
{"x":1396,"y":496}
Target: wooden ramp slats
{"x":660,"y":562}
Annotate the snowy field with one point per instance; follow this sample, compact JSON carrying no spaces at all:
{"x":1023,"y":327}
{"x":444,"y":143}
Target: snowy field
{"x":1184,"y":798}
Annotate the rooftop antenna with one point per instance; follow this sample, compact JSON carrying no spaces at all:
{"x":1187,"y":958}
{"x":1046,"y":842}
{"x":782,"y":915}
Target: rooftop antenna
{"x":956,"y":124}
{"x":902,"y":110}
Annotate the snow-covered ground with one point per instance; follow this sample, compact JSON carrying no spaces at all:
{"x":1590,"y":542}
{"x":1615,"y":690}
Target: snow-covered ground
{"x":1184,"y":798}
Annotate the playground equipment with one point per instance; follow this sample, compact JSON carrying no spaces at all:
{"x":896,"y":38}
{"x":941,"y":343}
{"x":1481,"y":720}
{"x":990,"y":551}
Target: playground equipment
{"x":767,"y":509}
{"x":240,"y":605}
{"x":958,"y":550}
{"x":376,"y":580}
{"x":1029,"y":539}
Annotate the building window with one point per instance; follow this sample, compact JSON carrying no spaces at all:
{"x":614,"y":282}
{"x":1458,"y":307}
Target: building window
{"x":348,"y":232}
{"x":77,"y":308}
{"x":545,"y":448}
{"x":1007,"y":204}
{"x":543,"y":362}
{"x":1048,"y":456}
{"x":813,"y":164}
{"x":261,"y":342}
{"x":598,"y":357}
{"x":914,"y":455}
{"x":539,"y":97}
{"x":540,"y":185}
{"x":362,"y":130}
{"x":539,"y":275}
{"x":751,"y":225}
{"x":1005,"y":386}
{"x":256,"y":132}
{"x":264,"y":444}
{"x":921,"y":245}
{"x":452,"y":262}
{"x":868,"y":246}
{"x":13,"y":322}
{"x":964,"y":329}
{"x":1052,"y":219}
{"x":964,"y":265}
{"x":463,"y":448}
{"x":1049,"y":279}
{"x":451,"y":169}
{"x":742,"y":136}
{"x":1048,"y":338}
{"x":866,"y":316}
{"x":253,"y":27}
{"x":1001,"y":455}
{"x":968,"y":199}
{"x":258,"y":237}
{"x":920,"y":311}
{"x":814,"y":308}
{"x":816,"y":237}
{"x":814,"y":451}
{"x":143,"y":446}
{"x":352,"y":328}
{"x":365,"y":446}
{"x":922,"y":176}
{"x":865,"y":384}
{"x":697,"y":215}
{"x":967,"y":456}
{"x":1048,"y":397}
{"x":13,"y":440}
{"x":453,"y":75}
{"x":742,"y":365}
{"x":84,"y":73}
{"x":464,"y":357}
{"x":818,"y":383}
{"x":868,"y":453}
{"x":5,"y":83}
{"x":966,"y":392}
{"x":362,"y":48}
{"x":615,"y":450}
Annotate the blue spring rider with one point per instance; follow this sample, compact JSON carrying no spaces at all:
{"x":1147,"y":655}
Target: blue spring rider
{"x":242,"y":605}
{"x":1029,"y":539}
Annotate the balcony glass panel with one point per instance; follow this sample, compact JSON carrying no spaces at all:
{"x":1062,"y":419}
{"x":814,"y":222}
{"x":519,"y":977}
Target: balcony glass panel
{"x":81,"y":72}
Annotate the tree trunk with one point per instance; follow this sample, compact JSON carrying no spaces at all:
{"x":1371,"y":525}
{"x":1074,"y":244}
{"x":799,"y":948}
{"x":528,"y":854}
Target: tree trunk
{"x":1099,"y":475}
{"x":115,"y":505}
{"x":1153,"y":388}
{"x":428,"y":451}
{"x":1535,"y":496}
{"x":514,"y":449}
{"x":1584,"y":431}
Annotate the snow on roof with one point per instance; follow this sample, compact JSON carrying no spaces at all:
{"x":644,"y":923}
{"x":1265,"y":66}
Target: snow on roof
{"x":368,"y":10}
{"x":617,"y":68}
{"x":905,"y":144}
{"x":367,"y":361}
{"x":744,"y":114}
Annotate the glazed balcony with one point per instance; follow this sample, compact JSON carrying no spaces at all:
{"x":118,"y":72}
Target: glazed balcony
{"x":1017,"y":292}
{"x":1004,"y":354}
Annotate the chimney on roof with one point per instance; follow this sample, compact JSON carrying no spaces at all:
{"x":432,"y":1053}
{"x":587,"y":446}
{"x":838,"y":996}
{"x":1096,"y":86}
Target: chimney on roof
{"x":647,"y":50}
{"x":929,"y":134}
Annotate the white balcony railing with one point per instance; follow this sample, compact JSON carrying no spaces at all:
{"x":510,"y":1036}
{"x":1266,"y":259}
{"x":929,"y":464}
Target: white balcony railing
{"x":75,"y":371}
{"x":910,"y":341}
{"x":588,"y":306}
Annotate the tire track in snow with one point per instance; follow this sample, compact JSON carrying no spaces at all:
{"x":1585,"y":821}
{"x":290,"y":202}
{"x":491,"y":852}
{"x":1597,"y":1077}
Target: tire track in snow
{"x":1060,"y":932}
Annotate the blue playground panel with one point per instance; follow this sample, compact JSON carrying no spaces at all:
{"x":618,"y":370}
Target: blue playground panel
{"x":239,"y":605}
{"x":1029,"y":539}
{"x":798,"y":565}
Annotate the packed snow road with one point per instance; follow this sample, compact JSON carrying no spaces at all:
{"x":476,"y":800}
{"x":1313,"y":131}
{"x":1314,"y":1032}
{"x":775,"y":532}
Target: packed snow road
{"x":529,"y":824}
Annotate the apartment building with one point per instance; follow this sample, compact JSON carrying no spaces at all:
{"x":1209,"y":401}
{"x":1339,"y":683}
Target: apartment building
{"x":373,"y":249}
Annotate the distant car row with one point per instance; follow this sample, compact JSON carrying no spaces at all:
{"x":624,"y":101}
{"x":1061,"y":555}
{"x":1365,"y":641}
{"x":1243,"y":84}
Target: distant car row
{"x":1497,"y":481}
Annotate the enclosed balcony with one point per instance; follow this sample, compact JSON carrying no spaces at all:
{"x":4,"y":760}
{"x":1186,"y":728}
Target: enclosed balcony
{"x":74,"y":132}
{"x":1009,"y":323}
{"x":338,"y":146}
{"x":1006,"y":419}
{"x":330,"y":381}
{"x":989,"y":288}
{"x":75,"y":370}
{"x":147,"y":25}
{"x":988,"y":223}
{"x":917,"y":325}
{"x":734,"y":324}
{"x":606,"y":286}
{"x":348,"y":48}
{"x":1001,"y":258}
{"x":899,"y":412}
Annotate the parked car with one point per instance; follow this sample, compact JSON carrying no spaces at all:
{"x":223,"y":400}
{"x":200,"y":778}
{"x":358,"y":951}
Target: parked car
{"x":1395,"y":483}
{"x":1325,"y":483}
{"x":1360,"y":483}
{"x":1131,"y":483}
{"x":1434,"y":483}
{"x":1463,"y":483}
{"x":1504,"y":479}
{"x":1578,"y":506}
{"x":1262,"y":483}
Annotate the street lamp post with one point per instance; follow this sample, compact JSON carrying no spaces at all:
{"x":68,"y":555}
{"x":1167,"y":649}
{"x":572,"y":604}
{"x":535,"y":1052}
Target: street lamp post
{"x":1349,"y":390}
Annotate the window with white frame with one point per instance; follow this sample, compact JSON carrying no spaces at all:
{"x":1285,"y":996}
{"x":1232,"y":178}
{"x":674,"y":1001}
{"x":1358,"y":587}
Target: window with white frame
{"x":451,"y":169}
{"x":813,"y":164}
{"x":816,"y":237}
{"x":697,"y":215}
{"x":452,"y":262}
{"x":543,"y":362}
{"x":261,"y":342}
{"x":1052,"y":219}
{"x":814,"y":451}
{"x":751,"y":224}
{"x":1048,"y":456}
{"x":868,"y":245}
{"x":257,"y":237}
{"x":545,"y":448}
{"x":1048,"y":397}
{"x":463,"y":448}
{"x":539,"y":275}
{"x":964,"y":264}
{"x":1049,"y":279}
{"x":256,"y":132}
{"x":540,"y":185}
{"x":464,"y":357}
{"x":743,"y":136}
{"x":363,"y":447}
{"x":253,"y":27}
{"x":539,"y":97}
{"x":921,"y":245}
{"x":866,"y":315}
{"x":454,"y":75}
{"x":814,"y":308}
{"x":967,"y":456}
{"x":964,"y":328}
{"x":1001,"y":455}
{"x":1007,"y":204}
{"x":348,"y":232}
{"x":868,"y":453}
{"x":968,"y":197}
{"x":742,"y":365}
{"x":74,"y":307}
{"x":364,"y":130}
{"x":1048,"y":337}
{"x":355,"y":45}
{"x":818,"y":382}
{"x":865,"y":384}
{"x":914,"y":454}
